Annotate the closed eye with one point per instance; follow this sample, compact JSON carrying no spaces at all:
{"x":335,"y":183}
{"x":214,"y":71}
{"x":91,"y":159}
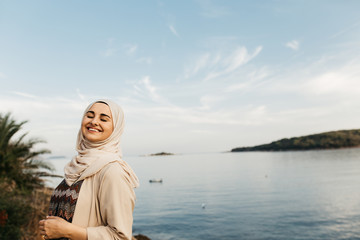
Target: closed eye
{"x":90,"y":114}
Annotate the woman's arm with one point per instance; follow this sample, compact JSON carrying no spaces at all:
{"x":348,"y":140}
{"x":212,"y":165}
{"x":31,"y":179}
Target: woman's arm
{"x":56,"y":227}
{"x":116,"y":202}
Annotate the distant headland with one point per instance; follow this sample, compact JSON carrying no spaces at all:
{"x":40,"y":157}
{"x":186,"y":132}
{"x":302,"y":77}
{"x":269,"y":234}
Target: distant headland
{"x":161,"y":154}
{"x":326,"y":140}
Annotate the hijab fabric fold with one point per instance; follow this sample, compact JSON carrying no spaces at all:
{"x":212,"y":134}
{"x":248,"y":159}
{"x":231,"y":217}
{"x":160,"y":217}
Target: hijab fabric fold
{"x":93,"y":156}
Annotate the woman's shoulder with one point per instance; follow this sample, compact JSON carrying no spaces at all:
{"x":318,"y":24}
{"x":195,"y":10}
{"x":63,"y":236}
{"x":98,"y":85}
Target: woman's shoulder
{"x":114,"y":176}
{"x":112,"y":169}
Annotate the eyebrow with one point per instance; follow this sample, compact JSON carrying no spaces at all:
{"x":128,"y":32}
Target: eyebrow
{"x":102,"y":114}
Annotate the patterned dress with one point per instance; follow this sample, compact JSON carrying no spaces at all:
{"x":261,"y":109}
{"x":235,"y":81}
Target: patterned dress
{"x":63,"y":200}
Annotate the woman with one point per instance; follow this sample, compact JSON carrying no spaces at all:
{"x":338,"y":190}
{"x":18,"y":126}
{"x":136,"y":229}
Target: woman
{"x":96,"y":199}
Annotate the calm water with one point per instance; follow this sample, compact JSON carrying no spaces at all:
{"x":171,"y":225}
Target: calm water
{"x":255,"y":195}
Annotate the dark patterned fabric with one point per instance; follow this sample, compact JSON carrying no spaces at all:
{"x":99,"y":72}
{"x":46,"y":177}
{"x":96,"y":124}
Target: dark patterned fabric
{"x":63,"y":200}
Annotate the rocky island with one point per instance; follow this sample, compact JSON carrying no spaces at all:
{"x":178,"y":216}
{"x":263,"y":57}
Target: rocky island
{"x":326,"y":140}
{"x":161,"y":154}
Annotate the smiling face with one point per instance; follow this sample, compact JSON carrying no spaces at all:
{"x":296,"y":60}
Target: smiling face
{"x":97,"y":124}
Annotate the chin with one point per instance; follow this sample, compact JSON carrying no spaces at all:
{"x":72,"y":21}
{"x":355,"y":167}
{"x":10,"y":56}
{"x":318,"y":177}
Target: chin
{"x":92,"y":139}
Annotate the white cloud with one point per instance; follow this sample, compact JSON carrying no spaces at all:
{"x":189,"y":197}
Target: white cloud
{"x":144,"y":88}
{"x":294,"y":45}
{"x":341,"y":81}
{"x":240,"y":57}
{"x":201,"y":63}
{"x":253,"y":79}
{"x":282,"y":99}
{"x":27,"y":95}
{"x":219,"y":64}
{"x":233,"y":62}
{"x":173,"y":30}
{"x":150,"y":88}
{"x":333,"y":78}
{"x":250,"y":115}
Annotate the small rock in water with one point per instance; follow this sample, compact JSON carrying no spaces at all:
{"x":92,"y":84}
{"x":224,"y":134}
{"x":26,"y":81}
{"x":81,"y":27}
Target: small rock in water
{"x":156,"y":180}
{"x":140,"y":237}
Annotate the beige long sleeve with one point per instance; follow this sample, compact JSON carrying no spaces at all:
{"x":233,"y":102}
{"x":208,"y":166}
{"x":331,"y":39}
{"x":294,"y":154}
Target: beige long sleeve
{"x":115,"y":202}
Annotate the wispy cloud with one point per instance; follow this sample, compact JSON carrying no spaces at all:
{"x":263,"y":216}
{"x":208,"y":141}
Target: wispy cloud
{"x":150,"y":88}
{"x":249,"y":115}
{"x":346,"y":30}
{"x":240,"y":57}
{"x":23,"y":94}
{"x":328,"y":80}
{"x":173,"y":30}
{"x":81,"y":96}
{"x":217,"y":65}
{"x":253,"y":79}
{"x":294,"y":45}
{"x":202,"y":62}
{"x":214,"y":112}
{"x":144,"y":87}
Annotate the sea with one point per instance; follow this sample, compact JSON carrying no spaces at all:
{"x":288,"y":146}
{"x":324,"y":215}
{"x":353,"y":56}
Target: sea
{"x":247,"y":195}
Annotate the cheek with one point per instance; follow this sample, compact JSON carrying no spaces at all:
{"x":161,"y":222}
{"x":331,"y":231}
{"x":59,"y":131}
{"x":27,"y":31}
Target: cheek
{"x":83,"y":130}
{"x":83,"y":124}
{"x":109,"y":129}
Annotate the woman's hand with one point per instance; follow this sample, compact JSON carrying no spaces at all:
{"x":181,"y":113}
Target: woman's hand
{"x":53,"y":227}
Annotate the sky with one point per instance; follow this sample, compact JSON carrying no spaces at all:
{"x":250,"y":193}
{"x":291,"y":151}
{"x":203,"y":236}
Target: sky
{"x":192,"y":76}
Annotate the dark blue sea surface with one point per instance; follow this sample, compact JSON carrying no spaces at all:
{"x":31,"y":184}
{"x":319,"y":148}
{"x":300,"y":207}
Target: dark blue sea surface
{"x":250,"y":195}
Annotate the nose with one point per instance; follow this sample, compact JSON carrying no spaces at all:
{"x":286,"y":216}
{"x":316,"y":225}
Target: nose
{"x":94,"y":122}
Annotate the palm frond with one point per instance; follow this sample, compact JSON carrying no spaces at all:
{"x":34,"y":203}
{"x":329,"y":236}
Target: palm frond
{"x":19,"y":162}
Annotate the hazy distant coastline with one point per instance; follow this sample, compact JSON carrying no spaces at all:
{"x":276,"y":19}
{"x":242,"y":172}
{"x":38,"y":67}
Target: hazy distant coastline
{"x":326,"y":140}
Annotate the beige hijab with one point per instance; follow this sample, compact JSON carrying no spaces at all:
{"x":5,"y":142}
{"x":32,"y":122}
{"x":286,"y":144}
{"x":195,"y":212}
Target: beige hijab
{"x":93,"y":156}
